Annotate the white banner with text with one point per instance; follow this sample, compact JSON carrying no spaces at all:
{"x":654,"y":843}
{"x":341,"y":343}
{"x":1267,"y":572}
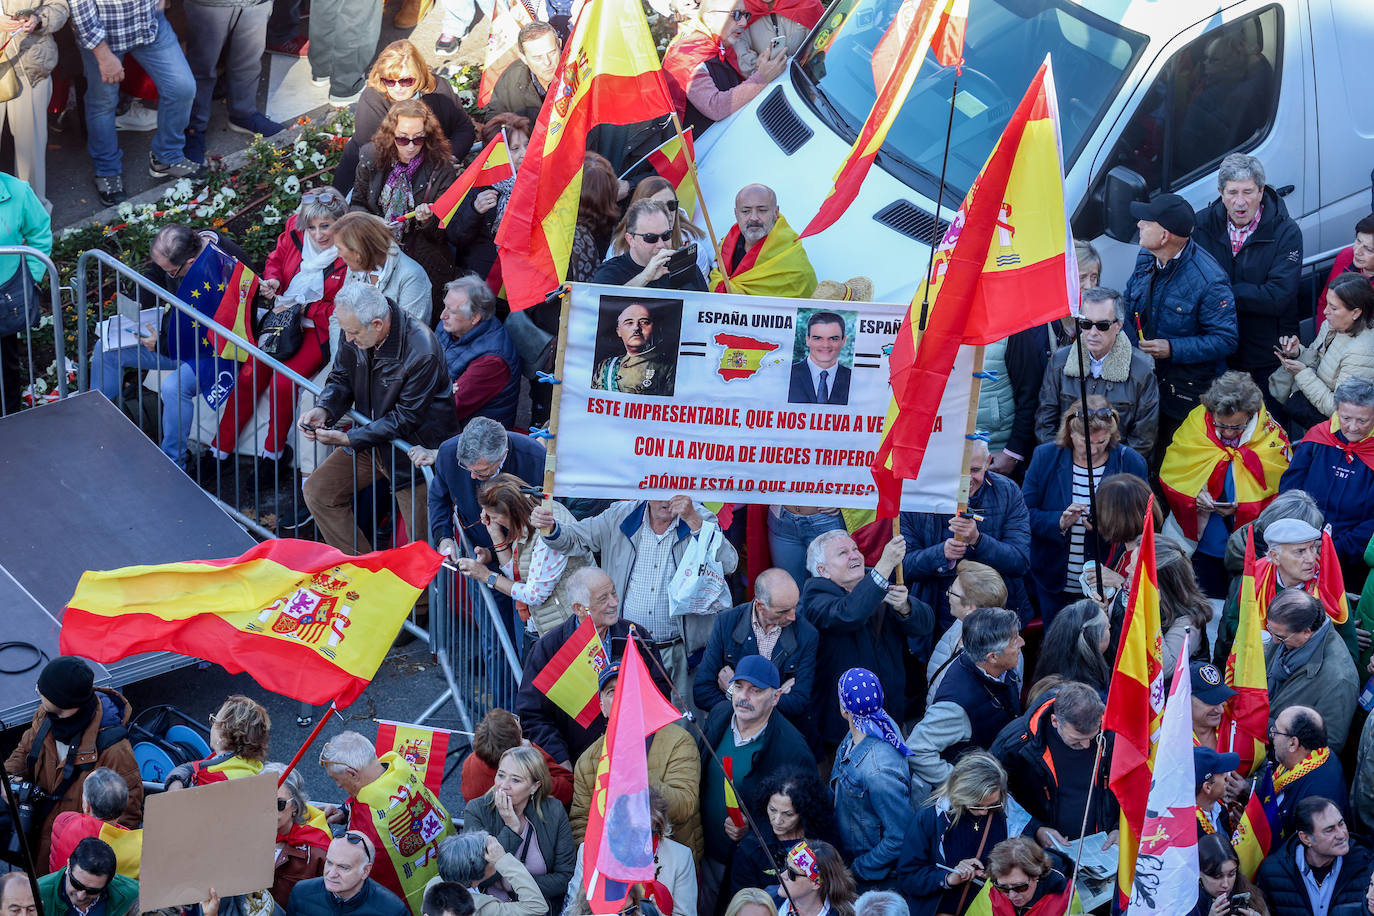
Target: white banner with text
{"x":739,"y":399}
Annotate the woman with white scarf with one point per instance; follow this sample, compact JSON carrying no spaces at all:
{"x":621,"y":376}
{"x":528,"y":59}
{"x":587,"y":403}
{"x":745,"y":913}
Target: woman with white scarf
{"x":307,"y":264}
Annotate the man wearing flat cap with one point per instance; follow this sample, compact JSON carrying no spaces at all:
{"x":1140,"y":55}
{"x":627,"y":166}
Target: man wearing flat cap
{"x":1179,"y":303}
{"x":76,"y":728}
{"x":1306,"y":766}
{"x":1210,"y":769}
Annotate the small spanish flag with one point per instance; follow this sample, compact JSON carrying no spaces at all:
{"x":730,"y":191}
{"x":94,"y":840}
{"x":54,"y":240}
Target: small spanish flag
{"x":425,"y":749}
{"x":741,"y":356}
{"x":1258,"y":830}
{"x":569,"y":679}
{"x":673,"y":161}
{"x":727,"y":764}
{"x":493,"y":164}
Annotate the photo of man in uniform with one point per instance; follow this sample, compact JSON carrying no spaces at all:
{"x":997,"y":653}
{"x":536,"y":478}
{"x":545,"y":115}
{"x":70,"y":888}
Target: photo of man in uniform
{"x":821,"y":378}
{"x":647,"y":364}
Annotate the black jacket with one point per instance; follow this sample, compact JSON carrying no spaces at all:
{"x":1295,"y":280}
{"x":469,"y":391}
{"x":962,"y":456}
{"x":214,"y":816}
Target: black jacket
{"x":782,"y":747}
{"x":1263,"y":274}
{"x":548,"y":726}
{"x":794,"y":655}
{"x":1028,"y":353}
{"x":1326,"y":781}
{"x":516,"y":92}
{"x":1031,"y":776}
{"x":372,"y":109}
{"x":402,"y":384}
{"x":1278,"y":879}
{"x":311,"y":898}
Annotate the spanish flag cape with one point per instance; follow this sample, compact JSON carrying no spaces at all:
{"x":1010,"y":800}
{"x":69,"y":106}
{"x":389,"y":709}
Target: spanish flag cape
{"x":314,"y":832}
{"x":406,"y":823}
{"x":1197,"y":458}
{"x":222,"y":767}
{"x":988,"y":903}
{"x":71,"y":827}
{"x":776,"y":266}
{"x":1325,"y":434}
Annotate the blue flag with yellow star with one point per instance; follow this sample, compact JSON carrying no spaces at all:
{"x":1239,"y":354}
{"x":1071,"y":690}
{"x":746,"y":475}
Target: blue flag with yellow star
{"x":224,"y":289}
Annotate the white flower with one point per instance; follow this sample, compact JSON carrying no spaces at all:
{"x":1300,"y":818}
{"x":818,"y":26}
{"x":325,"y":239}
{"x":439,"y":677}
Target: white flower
{"x":317,"y":160}
{"x":40,"y":386}
{"x":126,"y":210}
{"x":299,"y":163}
{"x":270,"y":215}
{"x":203,"y":212}
{"x":300,"y":147}
{"x":228,"y":192}
{"x":466,"y":97}
{"x":291,"y":185}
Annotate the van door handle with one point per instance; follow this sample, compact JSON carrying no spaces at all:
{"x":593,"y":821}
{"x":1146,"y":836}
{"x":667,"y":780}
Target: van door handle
{"x":1284,"y":191}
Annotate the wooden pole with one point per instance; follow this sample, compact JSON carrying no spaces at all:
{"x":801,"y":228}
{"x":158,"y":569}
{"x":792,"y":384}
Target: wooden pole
{"x":551,"y":443}
{"x":701,"y":199}
{"x":971,"y":427}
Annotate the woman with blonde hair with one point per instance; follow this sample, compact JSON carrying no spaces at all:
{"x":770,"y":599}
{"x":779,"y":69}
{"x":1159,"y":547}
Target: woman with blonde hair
{"x":238,"y":740}
{"x":399,"y":74}
{"x":752,"y":901}
{"x":528,"y":822}
{"x":947,"y":845}
{"x":527,"y":569}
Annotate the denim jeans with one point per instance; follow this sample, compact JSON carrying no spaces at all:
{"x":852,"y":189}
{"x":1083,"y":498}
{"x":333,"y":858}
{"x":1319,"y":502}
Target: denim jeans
{"x":178,"y":390}
{"x":459,"y":15}
{"x":176,"y":90}
{"x":789,"y":535}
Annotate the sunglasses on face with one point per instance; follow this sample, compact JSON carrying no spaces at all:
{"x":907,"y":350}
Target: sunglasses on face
{"x":356,"y":839}
{"x":1085,"y":324}
{"x":794,"y":874}
{"x":405,"y":82}
{"x":652,"y":237}
{"x":281,"y":804}
{"x":671,"y":205}
{"x":1012,"y":888}
{"x":409,"y":141}
{"x":78,"y":886}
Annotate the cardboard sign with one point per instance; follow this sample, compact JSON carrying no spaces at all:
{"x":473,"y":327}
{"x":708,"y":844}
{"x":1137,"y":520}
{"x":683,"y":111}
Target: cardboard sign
{"x":221,"y":836}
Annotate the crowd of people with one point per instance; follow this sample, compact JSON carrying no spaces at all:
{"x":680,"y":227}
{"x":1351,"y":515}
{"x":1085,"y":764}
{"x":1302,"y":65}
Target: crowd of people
{"x":874,"y":729}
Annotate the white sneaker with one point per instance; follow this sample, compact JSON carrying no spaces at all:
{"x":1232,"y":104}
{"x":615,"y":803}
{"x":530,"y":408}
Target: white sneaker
{"x":344,"y":101}
{"x":137,"y":118}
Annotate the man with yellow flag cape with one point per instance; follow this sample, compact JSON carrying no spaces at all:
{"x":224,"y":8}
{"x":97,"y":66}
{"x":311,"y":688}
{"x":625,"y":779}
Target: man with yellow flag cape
{"x":761,"y":254}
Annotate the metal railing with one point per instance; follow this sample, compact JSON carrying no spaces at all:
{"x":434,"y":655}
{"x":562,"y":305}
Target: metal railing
{"x":17,"y":350}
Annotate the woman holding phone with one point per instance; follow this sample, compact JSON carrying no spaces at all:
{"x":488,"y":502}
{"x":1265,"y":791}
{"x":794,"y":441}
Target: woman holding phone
{"x":1222,"y":889}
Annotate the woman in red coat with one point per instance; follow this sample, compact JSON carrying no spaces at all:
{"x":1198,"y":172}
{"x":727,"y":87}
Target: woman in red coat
{"x":304,"y":268}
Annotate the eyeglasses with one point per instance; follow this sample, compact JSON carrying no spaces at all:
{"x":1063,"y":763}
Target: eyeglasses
{"x":793,"y":873}
{"x":405,"y":82}
{"x":652,"y":237}
{"x":1233,"y":427}
{"x":409,"y":141}
{"x":984,"y":809}
{"x":951,"y":594}
{"x":1281,"y":640}
{"x":78,"y":886}
{"x":281,"y":804}
{"x":356,"y":839}
{"x":1097,"y":413}
{"x":320,"y":196}
{"x":1012,"y":888}
{"x":1085,"y":324}
{"x":737,"y":15}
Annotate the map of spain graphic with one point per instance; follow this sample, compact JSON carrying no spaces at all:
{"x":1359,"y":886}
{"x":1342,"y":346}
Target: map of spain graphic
{"x":742,"y":356}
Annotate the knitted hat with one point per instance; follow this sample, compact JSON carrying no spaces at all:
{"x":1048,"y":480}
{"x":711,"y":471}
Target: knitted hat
{"x":67,"y":682}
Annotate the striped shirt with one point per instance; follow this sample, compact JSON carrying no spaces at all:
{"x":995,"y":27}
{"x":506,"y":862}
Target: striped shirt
{"x":1077,"y":533}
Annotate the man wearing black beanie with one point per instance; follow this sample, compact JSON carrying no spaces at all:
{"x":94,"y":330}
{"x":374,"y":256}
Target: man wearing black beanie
{"x":76,"y":728}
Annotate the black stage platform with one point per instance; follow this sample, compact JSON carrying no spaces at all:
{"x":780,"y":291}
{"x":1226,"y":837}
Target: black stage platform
{"x":81,"y":488}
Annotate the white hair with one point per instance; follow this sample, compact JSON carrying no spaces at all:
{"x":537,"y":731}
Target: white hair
{"x":815,"y":553}
{"x":365,"y":301}
{"x":349,"y":749}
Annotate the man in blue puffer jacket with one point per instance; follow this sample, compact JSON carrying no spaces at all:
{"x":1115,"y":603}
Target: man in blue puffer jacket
{"x":1180,"y":304}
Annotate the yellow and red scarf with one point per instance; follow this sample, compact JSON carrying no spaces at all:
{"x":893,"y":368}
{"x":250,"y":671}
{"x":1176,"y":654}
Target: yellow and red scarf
{"x":1328,"y":587}
{"x":776,"y":266}
{"x":222,"y":767}
{"x":1197,"y":458}
{"x":1284,"y":776}
{"x":314,"y":832}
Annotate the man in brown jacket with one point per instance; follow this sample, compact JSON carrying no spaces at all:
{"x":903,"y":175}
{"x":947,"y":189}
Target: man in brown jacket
{"x":674,"y":771}
{"x":76,"y":728}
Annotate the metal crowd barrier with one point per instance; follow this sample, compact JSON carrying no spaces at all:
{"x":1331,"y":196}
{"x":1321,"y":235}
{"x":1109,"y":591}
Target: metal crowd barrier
{"x":20,"y":379}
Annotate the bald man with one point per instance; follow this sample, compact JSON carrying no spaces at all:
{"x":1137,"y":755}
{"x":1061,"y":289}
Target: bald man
{"x":762,"y":254}
{"x":646,"y":366}
{"x":766,"y":626}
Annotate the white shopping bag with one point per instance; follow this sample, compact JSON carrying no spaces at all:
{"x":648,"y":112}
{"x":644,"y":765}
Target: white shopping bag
{"x":698,"y":586}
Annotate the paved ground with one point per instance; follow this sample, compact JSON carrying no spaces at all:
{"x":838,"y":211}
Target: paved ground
{"x":69,"y":174}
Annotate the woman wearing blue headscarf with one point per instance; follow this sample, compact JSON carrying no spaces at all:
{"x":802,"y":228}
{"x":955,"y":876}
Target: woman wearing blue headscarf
{"x":871,"y":783}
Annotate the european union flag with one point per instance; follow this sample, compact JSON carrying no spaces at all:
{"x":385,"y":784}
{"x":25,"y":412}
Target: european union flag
{"x":221,"y":288}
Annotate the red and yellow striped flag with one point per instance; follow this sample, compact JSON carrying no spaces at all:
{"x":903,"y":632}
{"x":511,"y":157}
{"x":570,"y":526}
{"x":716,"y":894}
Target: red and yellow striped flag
{"x":1244,"y":725}
{"x":493,"y":164}
{"x":948,"y":43}
{"x":886,"y":106}
{"x":1258,"y":830}
{"x":1135,"y":703}
{"x":610,"y":74}
{"x":732,"y":808}
{"x":1009,"y":242}
{"x":425,"y":749}
{"x":570,"y":677}
{"x":673,"y":161}
{"x":304,"y":619}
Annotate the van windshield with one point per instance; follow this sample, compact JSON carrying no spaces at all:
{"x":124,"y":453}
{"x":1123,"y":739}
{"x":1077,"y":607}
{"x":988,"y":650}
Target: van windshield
{"x":852,"y":51}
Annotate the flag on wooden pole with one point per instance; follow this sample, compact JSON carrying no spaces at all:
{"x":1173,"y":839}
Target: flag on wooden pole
{"x":569,"y":678}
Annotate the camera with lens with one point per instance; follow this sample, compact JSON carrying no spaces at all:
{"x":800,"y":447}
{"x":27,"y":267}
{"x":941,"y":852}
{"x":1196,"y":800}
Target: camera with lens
{"x":29,"y":797}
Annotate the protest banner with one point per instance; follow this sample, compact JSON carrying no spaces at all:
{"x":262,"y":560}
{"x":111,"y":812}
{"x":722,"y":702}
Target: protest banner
{"x":669,"y":391}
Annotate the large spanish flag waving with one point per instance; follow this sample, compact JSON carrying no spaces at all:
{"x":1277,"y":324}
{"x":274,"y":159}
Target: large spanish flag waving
{"x":1006,"y":264}
{"x":303,"y":619}
{"x":886,"y":105}
{"x":610,"y":74}
{"x":1135,"y":704}
{"x":1245,"y":720}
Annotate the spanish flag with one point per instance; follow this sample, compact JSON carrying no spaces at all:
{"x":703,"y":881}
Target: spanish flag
{"x":610,"y":74}
{"x":1331,"y":581}
{"x":1198,"y":459}
{"x":508,"y":17}
{"x":1258,"y":830}
{"x":776,"y":266}
{"x":741,"y":357}
{"x":886,"y":105}
{"x":303,"y":619}
{"x":314,"y":832}
{"x":406,"y":823}
{"x":1244,"y":725}
{"x":673,"y":161}
{"x":1009,"y":243}
{"x":569,"y":679}
{"x":493,"y":164}
{"x":732,"y":808}
{"x":1135,"y":704}
{"x":71,"y":827}
{"x":425,"y":749}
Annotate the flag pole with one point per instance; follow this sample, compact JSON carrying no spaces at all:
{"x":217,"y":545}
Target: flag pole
{"x":935,"y":235}
{"x":550,"y":435}
{"x":1087,"y":806}
{"x":701,"y":199}
{"x":971,"y":434}
{"x":324,"y":719}
{"x":1080,"y":345}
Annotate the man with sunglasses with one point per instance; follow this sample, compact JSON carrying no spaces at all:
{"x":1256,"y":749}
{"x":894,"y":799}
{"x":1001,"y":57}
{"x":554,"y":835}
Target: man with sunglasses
{"x":347,"y":885}
{"x":89,"y":886}
{"x":648,"y":238}
{"x":1122,"y":374}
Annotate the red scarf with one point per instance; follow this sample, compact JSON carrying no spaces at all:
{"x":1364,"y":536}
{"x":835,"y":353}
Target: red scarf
{"x":727,"y":253}
{"x":1325,"y":434}
{"x":690,"y":49}
{"x":803,"y":12}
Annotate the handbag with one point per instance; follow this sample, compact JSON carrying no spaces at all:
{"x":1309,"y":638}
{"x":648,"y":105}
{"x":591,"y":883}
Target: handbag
{"x":699,"y":583}
{"x":10,"y":84}
{"x":19,"y":306}
{"x":281,"y":333}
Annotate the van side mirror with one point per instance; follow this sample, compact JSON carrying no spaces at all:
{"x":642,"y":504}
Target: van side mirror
{"x":1124,"y":187}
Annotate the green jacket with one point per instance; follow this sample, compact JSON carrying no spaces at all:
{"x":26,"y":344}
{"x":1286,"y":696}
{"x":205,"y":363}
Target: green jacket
{"x":23,"y":221}
{"x":1364,"y":611}
{"x":121,"y":895}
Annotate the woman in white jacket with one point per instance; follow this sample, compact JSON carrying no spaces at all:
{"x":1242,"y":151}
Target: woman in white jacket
{"x":1307,"y":379}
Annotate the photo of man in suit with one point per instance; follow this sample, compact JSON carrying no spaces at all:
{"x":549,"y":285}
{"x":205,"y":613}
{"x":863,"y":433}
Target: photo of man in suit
{"x":820,"y":378}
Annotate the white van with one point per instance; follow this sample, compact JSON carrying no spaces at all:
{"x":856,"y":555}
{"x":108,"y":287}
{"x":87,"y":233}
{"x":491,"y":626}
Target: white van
{"x":1152,"y":94}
